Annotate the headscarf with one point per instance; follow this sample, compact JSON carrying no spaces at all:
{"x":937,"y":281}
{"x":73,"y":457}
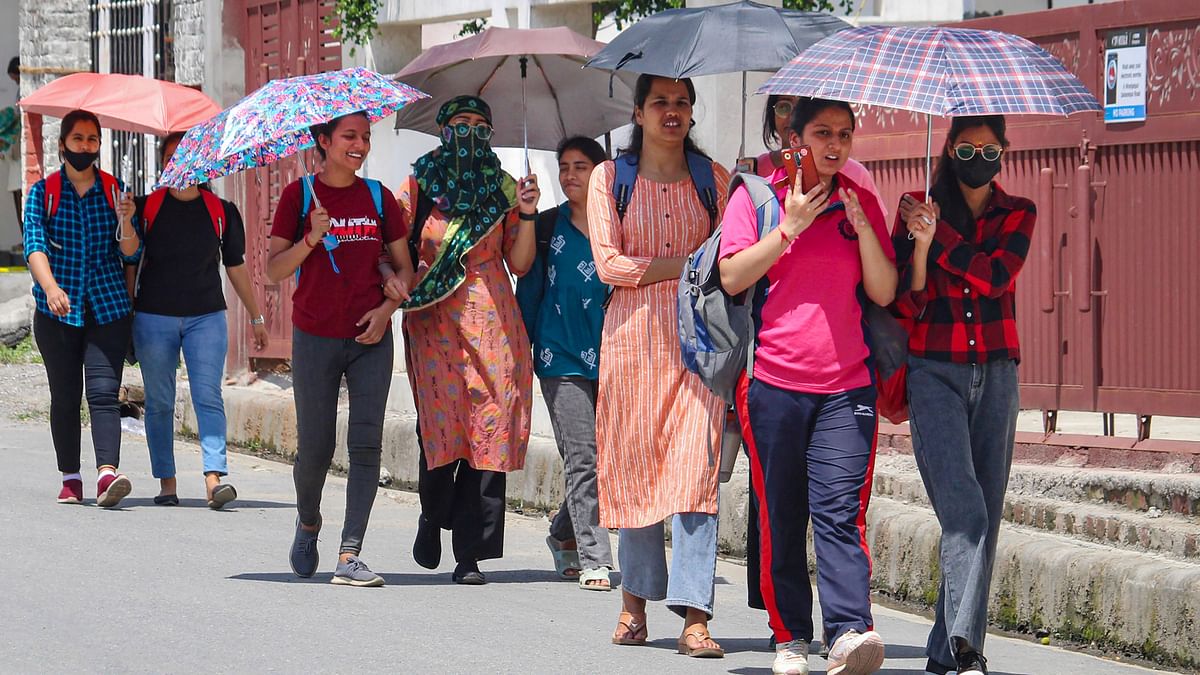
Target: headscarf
{"x":464,"y":180}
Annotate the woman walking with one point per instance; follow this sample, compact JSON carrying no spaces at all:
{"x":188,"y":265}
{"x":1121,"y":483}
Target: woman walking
{"x":658,"y":427}
{"x":333,"y":227}
{"x":562,"y":303}
{"x":180,"y":305}
{"x":808,"y":410}
{"x":467,"y":351}
{"x":82,"y":320}
{"x":958,"y":285}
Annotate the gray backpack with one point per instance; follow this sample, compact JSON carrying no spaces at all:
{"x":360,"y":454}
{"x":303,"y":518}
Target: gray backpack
{"x":716,"y":331}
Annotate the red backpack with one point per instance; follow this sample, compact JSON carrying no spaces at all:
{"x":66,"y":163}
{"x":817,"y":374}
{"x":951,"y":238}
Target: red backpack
{"x":216,"y":210}
{"x":54,"y":190}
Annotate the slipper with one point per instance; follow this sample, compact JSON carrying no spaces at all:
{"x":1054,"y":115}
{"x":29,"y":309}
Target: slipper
{"x":701,"y":634}
{"x":633,"y":632}
{"x":166,"y":500}
{"x":222,"y":495}
{"x":566,"y":561}
{"x":596,"y":579}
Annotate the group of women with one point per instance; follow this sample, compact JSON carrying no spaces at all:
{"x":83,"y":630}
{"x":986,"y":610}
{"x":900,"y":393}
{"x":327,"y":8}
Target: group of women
{"x":594,"y":317}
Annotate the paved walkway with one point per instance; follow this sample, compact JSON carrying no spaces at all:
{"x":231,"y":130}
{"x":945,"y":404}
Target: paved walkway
{"x":154,"y":589}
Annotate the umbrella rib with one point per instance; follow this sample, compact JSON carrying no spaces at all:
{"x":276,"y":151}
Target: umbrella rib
{"x":492,"y":75}
{"x":553,"y":95}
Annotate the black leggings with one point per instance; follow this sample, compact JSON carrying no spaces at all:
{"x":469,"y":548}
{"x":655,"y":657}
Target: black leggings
{"x":70,"y":353}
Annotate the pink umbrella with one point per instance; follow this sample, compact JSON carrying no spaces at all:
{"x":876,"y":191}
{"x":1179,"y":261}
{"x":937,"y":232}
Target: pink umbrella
{"x":124,"y":102}
{"x":533,"y":79}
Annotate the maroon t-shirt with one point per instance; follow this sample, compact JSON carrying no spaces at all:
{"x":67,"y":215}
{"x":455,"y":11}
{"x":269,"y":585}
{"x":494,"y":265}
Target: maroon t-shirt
{"x":329,"y":303}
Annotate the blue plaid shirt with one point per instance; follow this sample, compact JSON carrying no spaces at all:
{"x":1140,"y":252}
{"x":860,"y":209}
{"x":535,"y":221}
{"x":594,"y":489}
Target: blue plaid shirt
{"x":81,"y":244}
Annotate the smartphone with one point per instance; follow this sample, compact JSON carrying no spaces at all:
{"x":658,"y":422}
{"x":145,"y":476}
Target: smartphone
{"x":800,"y":160}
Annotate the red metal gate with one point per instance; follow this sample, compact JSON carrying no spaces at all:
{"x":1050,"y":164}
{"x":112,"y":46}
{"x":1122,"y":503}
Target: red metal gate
{"x":1107,"y":305}
{"x":283,"y":38}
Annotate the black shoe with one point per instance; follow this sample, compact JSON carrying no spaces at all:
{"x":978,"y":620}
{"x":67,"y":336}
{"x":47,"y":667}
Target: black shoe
{"x":468,"y":574}
{"x":166,"y":500}
{"x":427,"y":548}
{"x":971,"y":663}
{"x":934,"y":668}
{"x":771,"y":643}
{"x":304,"y":557}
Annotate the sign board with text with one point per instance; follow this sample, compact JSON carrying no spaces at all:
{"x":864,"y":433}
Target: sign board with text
{"x":1125,"y":76}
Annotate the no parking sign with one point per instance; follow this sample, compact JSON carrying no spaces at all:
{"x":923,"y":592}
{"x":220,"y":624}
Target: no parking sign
{"x":1125,"y":76}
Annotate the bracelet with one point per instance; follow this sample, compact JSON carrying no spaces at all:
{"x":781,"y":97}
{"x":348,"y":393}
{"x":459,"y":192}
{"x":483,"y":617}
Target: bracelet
{"x":527,"y":216}
{"x":305,"y":237}
{"x":258,"y":320}
{"x":783,"y":236}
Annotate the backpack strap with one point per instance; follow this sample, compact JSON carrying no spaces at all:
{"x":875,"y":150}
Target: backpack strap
{"x":700,"y":168}
{"x":111,"y":188}
{"x":376,"y":189}
{"x":54,"y":188}
{"x":544,"y":230}
{"x":767,"y":211}
{"x":154,"y":202}
{"x":306,"y":200}
{"x":626,"y":177}
{"x":216,"y":213}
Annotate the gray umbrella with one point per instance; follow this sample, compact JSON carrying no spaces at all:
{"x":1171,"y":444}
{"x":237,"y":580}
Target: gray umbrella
{"x":729,"y":38}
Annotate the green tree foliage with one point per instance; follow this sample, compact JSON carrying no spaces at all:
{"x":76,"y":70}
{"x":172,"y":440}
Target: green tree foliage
{"x":359,"y":22}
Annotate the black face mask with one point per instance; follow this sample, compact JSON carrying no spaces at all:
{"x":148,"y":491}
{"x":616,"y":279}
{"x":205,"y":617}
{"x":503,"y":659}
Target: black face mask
{"x":80,"y":161}
{"x":977,"y":171}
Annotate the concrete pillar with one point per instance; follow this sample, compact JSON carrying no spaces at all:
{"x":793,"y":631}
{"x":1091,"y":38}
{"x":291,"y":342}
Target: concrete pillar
{"x":577,"y":17}
{"x":395,"y":46}
{"x":718,"y":111}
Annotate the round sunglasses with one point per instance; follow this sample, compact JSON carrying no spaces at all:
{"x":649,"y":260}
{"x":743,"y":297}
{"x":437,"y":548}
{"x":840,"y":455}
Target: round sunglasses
{"x":966,"y":151}
{"x":783,"y":108}
{"x":482,"y":131}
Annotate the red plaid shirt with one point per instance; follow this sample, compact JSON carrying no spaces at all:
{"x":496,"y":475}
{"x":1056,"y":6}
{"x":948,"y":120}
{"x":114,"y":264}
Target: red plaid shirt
{"x":967,"y":310}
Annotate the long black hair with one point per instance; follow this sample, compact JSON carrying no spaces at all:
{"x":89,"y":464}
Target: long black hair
{"x":944,"y":188}
{"x":642,"y":90}
{"x":770,"y":134}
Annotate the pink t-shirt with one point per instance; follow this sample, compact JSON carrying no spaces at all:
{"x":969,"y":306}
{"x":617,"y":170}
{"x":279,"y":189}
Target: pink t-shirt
{"x":810,"y":338}
{"x":854,"y":170}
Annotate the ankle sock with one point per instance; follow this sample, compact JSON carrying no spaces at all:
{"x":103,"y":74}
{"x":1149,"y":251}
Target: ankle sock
{"x":107,"y":471}
{"x":71,"y":476}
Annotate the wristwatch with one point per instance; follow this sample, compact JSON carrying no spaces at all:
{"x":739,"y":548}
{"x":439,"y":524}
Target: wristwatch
{"x":258,"y":321}
{"x":527,"y":216}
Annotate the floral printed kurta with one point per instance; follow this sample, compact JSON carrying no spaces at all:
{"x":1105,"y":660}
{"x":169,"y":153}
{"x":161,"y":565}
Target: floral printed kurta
{"x":469,"y":360}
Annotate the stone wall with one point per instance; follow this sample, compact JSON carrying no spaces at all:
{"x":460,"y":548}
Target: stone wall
{"x":187,"y":25}
{"x":54,"y":42}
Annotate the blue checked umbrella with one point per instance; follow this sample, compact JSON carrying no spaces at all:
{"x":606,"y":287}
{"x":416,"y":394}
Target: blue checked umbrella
{"x":948,"y":72}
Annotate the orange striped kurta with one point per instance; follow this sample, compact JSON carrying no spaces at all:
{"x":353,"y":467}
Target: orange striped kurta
{"x":658,"y":427}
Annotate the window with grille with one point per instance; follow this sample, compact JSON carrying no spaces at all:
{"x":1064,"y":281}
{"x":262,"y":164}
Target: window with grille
{"x":132,"y":37}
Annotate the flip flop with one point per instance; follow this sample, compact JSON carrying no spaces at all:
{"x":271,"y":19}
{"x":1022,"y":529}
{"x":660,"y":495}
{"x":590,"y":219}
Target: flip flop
{"x":566,"y":561}
{"x":633,"y":632}
{"x":222,"y":495}
{"x":596,"y":579}
{"x":701,"y":635}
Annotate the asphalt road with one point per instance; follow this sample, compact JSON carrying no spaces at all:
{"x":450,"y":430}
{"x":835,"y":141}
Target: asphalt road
{"x":154,"y":589}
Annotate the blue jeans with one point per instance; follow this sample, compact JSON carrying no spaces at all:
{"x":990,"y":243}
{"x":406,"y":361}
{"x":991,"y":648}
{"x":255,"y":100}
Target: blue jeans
{"x":157,"y":340}
{"x":964,"y":420}
{"x":643,"y":557}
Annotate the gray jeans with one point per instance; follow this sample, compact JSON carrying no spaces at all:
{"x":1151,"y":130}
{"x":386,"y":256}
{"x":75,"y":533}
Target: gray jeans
{"x":572,"y":404}
{"x":318,"y":365}
{"x":963,"y":421}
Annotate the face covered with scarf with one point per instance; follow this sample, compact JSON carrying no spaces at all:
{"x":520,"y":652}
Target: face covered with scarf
{"x":464,"y":174}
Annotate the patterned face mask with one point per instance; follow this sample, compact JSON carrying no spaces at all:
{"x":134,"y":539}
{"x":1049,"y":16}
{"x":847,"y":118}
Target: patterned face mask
{"x":466,"y":157}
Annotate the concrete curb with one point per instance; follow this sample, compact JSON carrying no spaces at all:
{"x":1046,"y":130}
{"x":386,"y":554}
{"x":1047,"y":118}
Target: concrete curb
{"x":1123,"y":600}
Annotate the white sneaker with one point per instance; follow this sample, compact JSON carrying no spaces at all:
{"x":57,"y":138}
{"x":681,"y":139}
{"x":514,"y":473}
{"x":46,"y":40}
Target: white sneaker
{"x":856,"y":653}
{"x":791,"y":658}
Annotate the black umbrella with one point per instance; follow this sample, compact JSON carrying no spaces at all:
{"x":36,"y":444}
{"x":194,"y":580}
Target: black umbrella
{"x":729,"y":38}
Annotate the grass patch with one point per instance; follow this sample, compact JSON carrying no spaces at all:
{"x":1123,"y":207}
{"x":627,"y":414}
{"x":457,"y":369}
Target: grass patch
{"x":22,"y":353}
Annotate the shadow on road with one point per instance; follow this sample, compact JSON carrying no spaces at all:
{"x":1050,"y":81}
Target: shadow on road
{"x":414,"y":578}
{"x":240,"y":504}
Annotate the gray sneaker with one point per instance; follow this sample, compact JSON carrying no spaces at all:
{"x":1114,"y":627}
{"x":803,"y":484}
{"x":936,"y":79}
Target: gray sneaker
{"x":304,"y":556}
{"x":355,"y":572}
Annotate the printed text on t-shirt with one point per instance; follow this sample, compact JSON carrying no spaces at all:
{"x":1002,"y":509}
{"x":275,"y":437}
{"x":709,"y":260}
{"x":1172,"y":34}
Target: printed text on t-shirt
{"x":354,"y":229}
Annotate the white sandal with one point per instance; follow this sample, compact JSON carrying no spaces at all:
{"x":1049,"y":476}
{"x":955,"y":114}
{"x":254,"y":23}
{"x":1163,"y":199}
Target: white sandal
{"x":594,"y":575}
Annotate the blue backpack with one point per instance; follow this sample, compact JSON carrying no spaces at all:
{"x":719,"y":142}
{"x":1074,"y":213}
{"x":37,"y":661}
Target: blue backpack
{"x":699,"y":166}
{"x":716,"y":331}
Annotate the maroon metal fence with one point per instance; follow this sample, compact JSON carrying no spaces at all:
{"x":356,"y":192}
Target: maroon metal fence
{"x":1107,"y":305}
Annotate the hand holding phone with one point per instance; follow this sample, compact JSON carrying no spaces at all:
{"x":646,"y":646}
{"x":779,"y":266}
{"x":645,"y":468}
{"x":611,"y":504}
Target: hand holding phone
{"x":800,"y":160}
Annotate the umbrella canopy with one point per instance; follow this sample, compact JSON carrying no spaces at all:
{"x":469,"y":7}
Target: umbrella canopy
{"x":937,"y":71}
{"x":562,"y":98}
{"x":719,"y":39}
{"x":124,"y":102}
{"x":273,"y":122}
